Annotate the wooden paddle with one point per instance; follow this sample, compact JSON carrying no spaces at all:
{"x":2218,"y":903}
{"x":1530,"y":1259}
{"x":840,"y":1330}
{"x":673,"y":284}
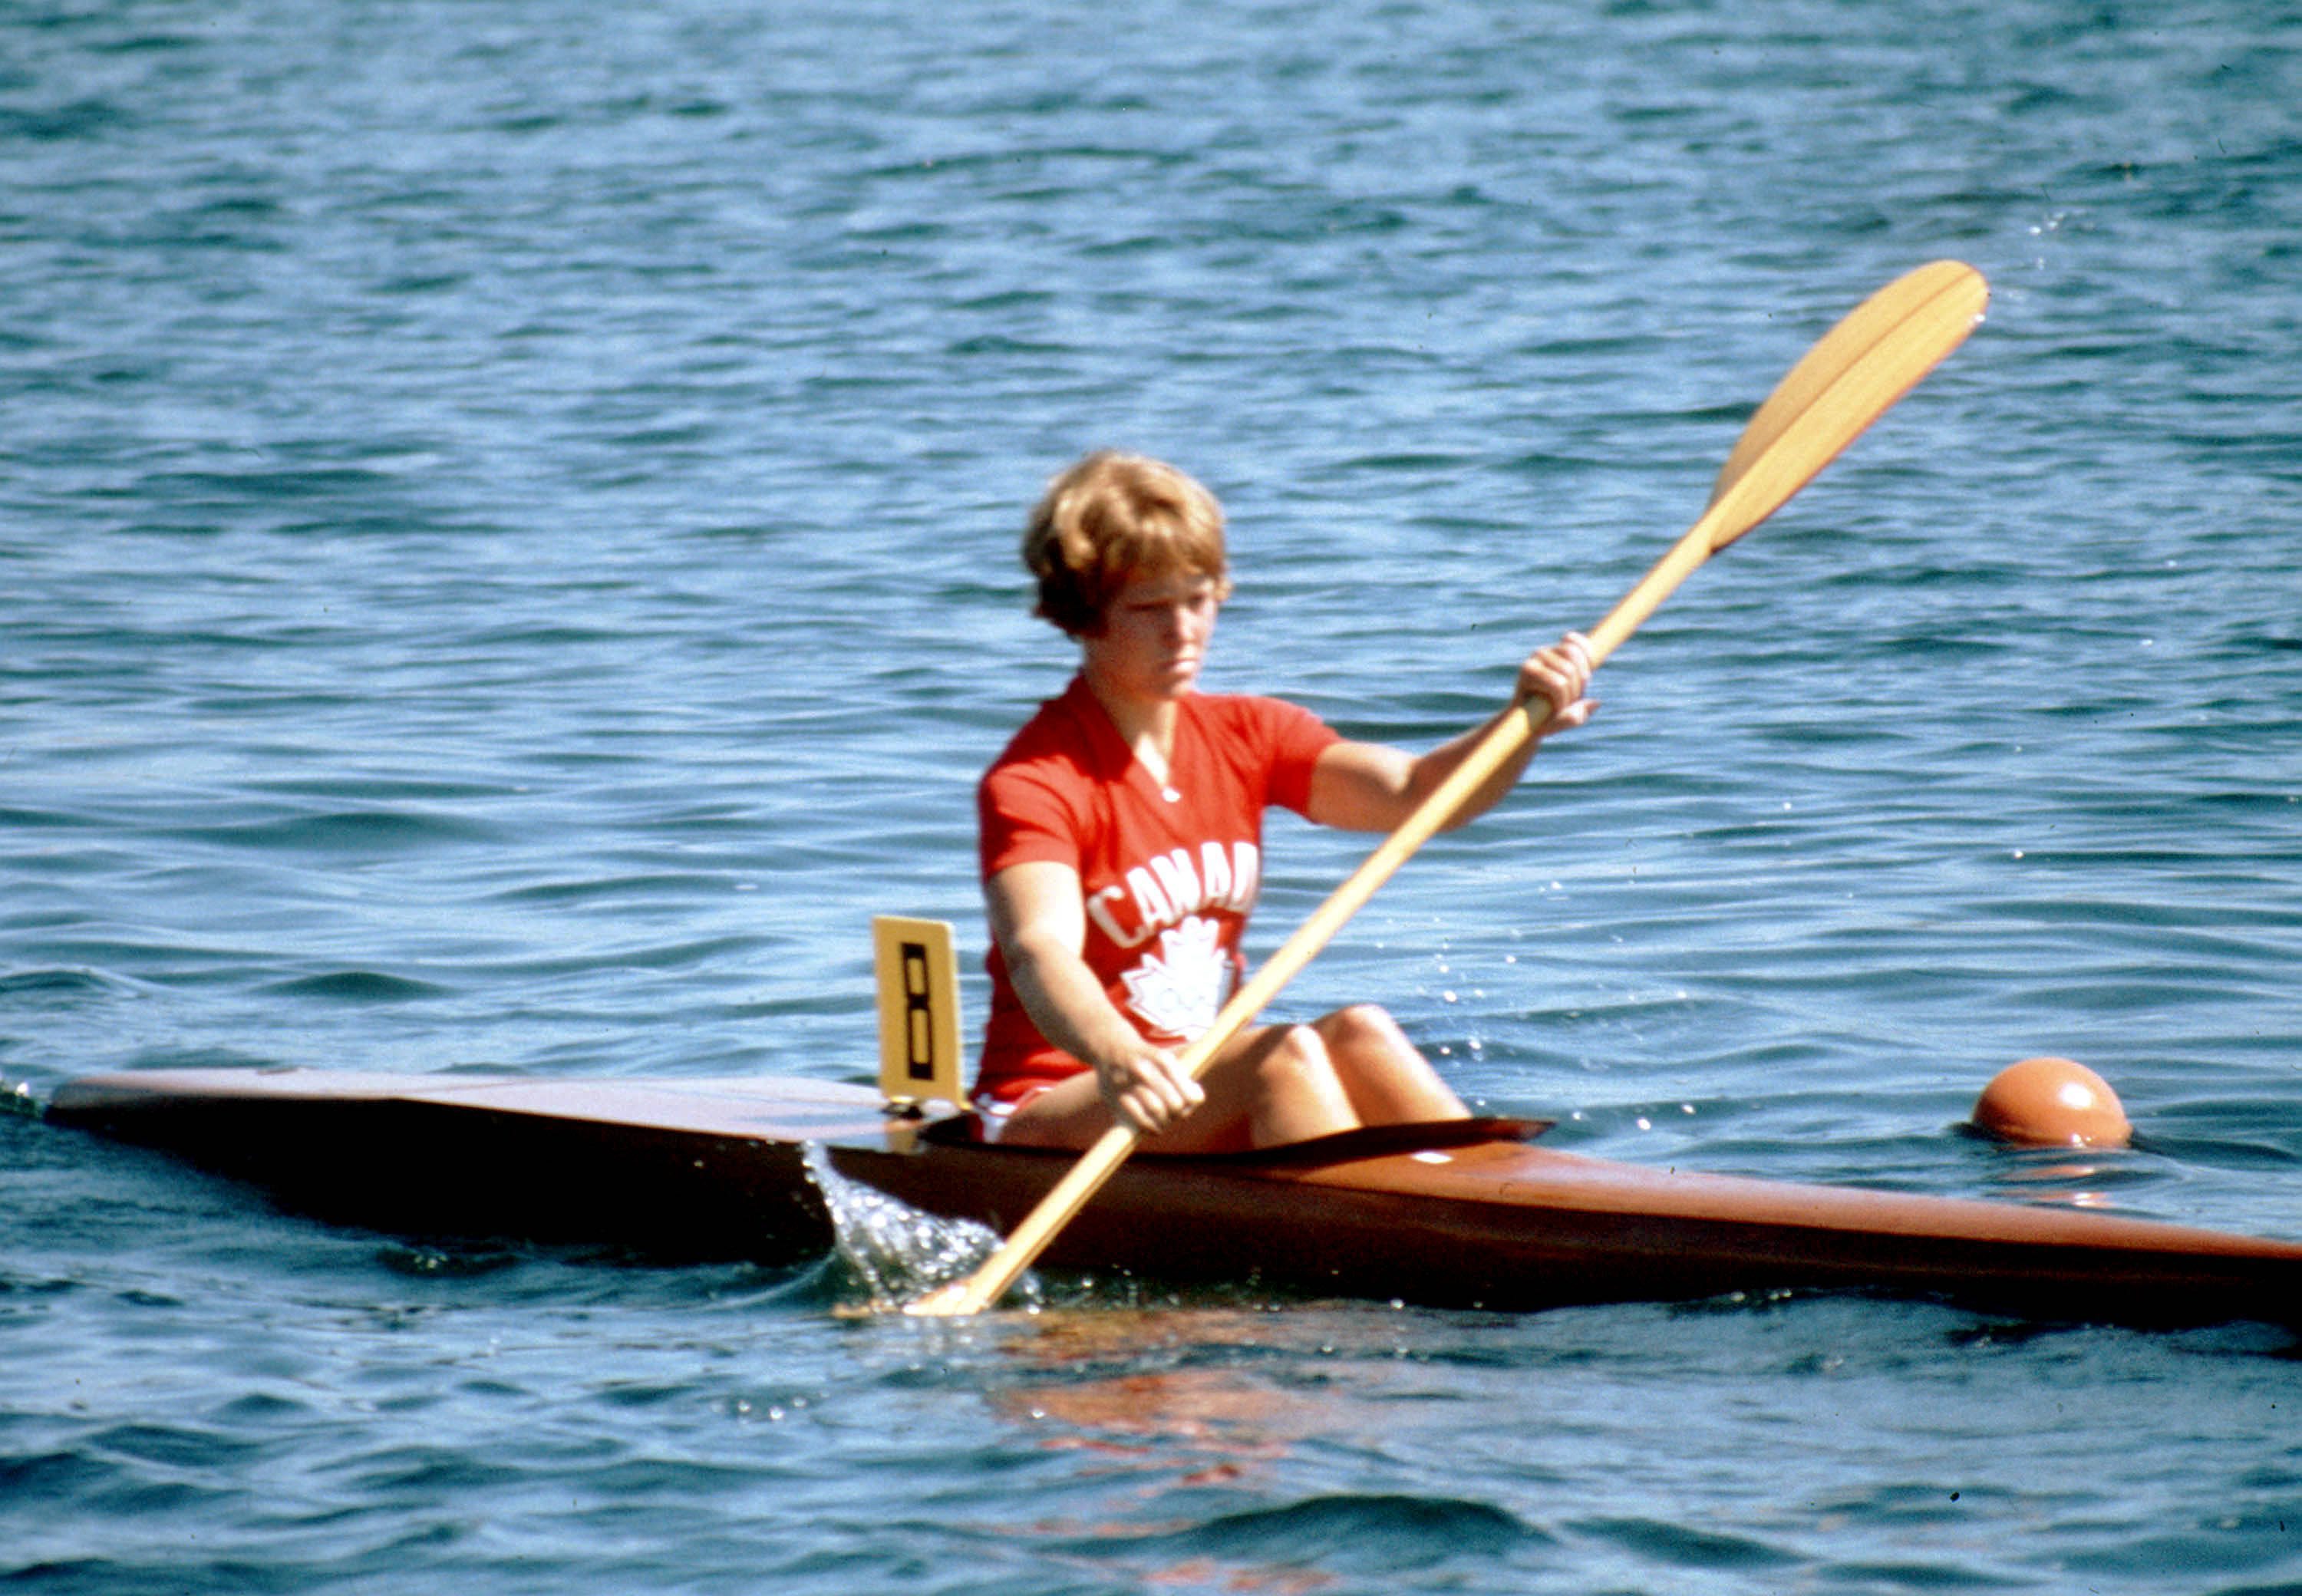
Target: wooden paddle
{"x":1845,"y":382}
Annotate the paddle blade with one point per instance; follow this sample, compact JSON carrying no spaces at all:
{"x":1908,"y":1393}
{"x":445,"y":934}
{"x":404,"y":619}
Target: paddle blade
{"x":1845,"y":382}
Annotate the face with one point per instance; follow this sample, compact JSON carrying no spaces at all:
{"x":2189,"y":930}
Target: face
{"x":1154,"y":636}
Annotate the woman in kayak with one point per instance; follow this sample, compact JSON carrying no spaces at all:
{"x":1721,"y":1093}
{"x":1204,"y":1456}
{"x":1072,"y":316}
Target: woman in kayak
{"x":1122,"y":848}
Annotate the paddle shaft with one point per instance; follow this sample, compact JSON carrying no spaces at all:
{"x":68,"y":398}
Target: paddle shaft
{"x":1850,"y":378}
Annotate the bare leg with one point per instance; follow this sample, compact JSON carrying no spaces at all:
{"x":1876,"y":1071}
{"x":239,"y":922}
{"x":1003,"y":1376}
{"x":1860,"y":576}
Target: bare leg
{"x":1388,"y":1080}
{"x":1273,"y":1083}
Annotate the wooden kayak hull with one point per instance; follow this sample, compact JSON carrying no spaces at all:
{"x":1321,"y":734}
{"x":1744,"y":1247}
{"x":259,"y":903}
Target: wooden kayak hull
{"x":688,"y":1170}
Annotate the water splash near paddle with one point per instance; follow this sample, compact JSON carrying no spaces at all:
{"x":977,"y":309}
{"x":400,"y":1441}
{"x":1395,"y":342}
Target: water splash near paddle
{"x":893,"y":1252}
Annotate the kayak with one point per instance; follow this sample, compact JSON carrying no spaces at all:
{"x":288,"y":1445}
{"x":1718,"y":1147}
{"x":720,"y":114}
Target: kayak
{"x":1464,"y":1213}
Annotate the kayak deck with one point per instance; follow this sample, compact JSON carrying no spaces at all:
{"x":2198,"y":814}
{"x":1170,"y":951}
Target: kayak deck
{"x":1451,"y":1215}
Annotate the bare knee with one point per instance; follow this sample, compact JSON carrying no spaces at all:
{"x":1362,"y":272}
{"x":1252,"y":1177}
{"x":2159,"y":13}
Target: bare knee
{"x":1386,"y":1075}
{"x":1363,"y":1027}
{"x":1296,"y":1059}
{"x":1291,"y":1089}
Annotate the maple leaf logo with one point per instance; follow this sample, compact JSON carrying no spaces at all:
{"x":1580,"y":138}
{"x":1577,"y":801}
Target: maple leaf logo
{"x":1177,"y":989}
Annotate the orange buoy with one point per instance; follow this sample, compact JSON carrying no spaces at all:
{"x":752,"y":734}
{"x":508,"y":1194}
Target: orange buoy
{"x":2051,"y":1102}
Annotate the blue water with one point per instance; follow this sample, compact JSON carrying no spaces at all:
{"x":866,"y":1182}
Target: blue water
{"x":505,"y":559}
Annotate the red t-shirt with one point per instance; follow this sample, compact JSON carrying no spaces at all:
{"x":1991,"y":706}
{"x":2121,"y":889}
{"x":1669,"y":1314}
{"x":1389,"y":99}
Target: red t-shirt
{"x":1170,"y":874}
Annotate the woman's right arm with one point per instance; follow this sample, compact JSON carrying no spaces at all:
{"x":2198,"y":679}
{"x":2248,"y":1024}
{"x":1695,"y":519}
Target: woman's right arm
{"x":1038,"y":916}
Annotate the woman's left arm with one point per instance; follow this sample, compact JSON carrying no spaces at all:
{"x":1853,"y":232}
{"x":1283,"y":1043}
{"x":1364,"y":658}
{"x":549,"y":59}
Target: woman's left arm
{"x":1365,"y":786}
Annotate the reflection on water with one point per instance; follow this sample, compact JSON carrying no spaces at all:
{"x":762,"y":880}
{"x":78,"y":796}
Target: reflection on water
{"x":2075,"y":1185}
{"x":1087,"y":1369}
{"x":1164,"y":1407}
{"x":2062,"y":1177}
{"x":1244,"y":1447}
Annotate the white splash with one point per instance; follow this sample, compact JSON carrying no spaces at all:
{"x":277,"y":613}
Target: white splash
{"x":896,"y":1253}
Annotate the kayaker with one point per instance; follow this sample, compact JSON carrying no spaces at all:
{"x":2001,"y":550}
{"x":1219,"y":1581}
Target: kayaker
{"x":1121,"y":837}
